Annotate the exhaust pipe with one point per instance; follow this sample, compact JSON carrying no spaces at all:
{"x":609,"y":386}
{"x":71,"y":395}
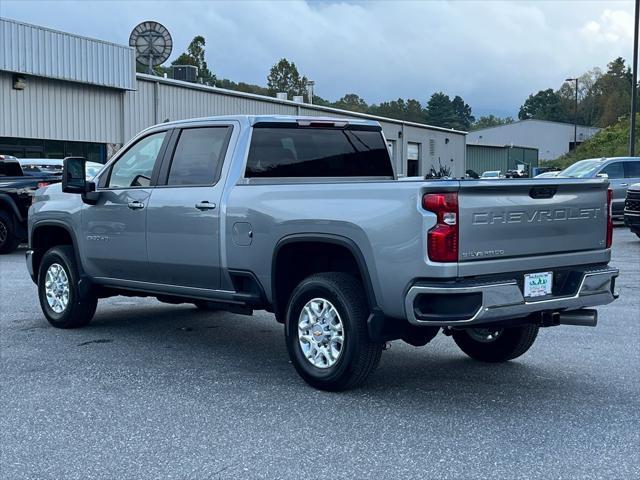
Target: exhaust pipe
{"x":583,"y":317}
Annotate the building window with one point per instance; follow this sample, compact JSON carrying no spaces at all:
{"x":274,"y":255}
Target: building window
{"x":43,"y":148}
{"x":432,"y":147}
{"x":413,"y":159}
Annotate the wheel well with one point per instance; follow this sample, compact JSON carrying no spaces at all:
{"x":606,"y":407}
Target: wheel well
{"x":45,"y":237}
{"x":297,"y":260}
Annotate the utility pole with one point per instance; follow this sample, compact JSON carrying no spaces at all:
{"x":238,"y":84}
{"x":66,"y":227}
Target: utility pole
{"x":634,"y":84}
{"x":575,"y":111}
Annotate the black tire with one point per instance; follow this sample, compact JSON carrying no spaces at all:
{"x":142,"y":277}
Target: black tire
{"x":511,"y":343}
{"x":358,"y":356}
{"x":206,"y":306}
{"x":8,"y":240}
{"x":80,"y":307}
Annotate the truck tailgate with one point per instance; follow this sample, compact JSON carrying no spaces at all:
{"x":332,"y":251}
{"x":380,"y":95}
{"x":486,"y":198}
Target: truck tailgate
{"x":524,"y":218}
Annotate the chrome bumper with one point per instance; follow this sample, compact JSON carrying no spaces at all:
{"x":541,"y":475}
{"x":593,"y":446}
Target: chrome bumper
{"x":504,"y":300}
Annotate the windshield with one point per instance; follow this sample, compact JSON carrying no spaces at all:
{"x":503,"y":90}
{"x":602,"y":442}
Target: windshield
{"x":582,"y":169}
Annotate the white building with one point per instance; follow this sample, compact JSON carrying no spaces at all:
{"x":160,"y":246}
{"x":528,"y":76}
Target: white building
{"x":552,"y":139}
{"x":62,"y":95}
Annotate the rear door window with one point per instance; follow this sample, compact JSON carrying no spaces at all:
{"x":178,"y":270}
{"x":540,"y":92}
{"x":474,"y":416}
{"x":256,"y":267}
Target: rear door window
{"x":317,"y":152}
{"x":614,"y":170}
{"x":198,"y":156}
{"x":632,"y":169}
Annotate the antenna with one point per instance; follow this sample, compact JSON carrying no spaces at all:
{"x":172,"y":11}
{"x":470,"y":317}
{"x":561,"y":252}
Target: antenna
{"x":152,"y":42}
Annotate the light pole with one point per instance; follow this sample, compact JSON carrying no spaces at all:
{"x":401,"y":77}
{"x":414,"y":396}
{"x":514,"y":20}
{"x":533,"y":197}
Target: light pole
{"x":634,"y":85}
{"x":575,"y":112}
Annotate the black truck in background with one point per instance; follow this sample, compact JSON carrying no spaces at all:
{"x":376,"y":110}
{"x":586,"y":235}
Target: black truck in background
{"x":16,"y":191}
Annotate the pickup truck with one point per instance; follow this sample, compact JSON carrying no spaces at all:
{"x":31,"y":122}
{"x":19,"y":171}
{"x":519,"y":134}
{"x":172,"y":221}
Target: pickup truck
{"x":16,"y":192}
{"x":304,"y":217}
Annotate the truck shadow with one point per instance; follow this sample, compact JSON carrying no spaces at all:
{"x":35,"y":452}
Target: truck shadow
{"x":227,"y":348}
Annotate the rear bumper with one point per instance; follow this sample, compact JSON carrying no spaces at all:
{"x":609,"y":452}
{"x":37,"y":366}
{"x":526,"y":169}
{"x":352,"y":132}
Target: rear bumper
{"x":474,"y":303}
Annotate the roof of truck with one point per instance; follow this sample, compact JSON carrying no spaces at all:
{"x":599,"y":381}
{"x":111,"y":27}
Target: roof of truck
{"x":253,"y":119}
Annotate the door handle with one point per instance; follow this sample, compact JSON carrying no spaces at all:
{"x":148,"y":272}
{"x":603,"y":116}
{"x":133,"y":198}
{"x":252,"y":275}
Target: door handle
{"x":135,"y":205}
{"x":205,"y":205}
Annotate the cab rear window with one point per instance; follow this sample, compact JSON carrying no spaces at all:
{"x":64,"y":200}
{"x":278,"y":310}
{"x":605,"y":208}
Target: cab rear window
{"x":317,"y":152}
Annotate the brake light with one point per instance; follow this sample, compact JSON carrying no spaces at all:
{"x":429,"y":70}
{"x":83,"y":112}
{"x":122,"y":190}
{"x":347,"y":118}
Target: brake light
{"x":609,"y":218}
{"x":442,"y":240}
{"x":43,"y":184}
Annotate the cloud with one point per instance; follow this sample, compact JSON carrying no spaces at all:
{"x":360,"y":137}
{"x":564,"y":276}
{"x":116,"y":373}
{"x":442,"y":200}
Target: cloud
{"x":492,"y":53}
{"x":613,"y":26}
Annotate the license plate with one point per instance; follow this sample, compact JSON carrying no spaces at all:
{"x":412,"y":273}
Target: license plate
{"x":538,"y":284}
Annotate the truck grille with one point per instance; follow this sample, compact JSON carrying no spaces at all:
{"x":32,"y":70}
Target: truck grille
{"x":632,"y":203}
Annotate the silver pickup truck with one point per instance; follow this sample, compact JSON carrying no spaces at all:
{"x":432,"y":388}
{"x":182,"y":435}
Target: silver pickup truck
{"x":305,"y":218}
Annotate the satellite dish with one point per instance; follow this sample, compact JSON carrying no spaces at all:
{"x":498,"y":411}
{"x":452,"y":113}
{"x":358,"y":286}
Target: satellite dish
{"x":152,"y":42}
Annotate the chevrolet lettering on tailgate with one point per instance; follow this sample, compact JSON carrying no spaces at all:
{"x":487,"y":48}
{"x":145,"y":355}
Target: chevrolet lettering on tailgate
{"x":547,"y":215}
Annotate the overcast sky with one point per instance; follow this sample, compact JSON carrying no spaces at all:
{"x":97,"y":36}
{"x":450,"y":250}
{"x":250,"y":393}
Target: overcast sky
{"x":493,"y":54}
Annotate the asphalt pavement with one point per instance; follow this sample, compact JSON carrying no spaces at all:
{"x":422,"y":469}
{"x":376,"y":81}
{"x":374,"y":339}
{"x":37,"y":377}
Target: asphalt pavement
{"x":150,"y":390}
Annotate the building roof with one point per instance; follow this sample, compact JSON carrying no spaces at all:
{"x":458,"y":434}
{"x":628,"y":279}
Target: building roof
{"x":263,"y":98}
{"x":508,"y":145}
{"x":533,"y":120}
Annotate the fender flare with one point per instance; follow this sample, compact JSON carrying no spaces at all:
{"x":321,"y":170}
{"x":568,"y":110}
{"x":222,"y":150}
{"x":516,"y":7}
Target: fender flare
{"x":346,"y":242}
{"x":11,"y":204}
{"x":69,"y":230}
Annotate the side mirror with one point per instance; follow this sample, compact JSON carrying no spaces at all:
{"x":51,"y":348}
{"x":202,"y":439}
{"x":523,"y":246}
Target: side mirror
{"x":74,"y":177}
{"x":602,"y":175}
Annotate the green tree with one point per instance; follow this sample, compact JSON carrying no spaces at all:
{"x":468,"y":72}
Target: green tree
{"x":284,"y":77}
{"x":195,"y":56}
{"x":487,"y":121}
{"x":410,"y":110}
{"x":441,"y":112}
{"x":352,"y":102}
{"x":463,"y":113}
{"x":545,"y":105}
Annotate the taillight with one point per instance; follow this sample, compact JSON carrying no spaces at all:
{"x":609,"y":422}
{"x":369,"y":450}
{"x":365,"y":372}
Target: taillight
{"x":43,"y":184}
{"x":609,"y":218}
{"x":442,"y":240}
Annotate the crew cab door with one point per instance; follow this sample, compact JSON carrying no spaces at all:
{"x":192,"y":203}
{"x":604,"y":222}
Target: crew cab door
{"x":183,"y":219}
{"x":114,"y":229}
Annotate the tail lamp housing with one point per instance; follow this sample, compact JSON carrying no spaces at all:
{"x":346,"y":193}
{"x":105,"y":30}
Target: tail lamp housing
{"x":609,"y":218}
{"x":443,"y":238}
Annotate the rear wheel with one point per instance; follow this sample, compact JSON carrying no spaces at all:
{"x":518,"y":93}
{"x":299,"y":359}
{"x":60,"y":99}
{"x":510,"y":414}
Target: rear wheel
{"x":8,"y":240}
{"x":326,"y":332}
{"x":496,"y":344}
{"x":61,"y":300}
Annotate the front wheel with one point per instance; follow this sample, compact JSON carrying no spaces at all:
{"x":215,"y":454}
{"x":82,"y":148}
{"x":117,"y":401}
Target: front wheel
{"x":326,"y":332}
{"x":496,"y":344}
{"x":62,"y":302}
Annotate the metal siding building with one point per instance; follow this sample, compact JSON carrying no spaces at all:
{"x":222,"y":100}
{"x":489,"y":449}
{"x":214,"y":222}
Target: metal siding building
{"x":43,"y":52}
{"x":483,"y":158}
{"x":74,"y":108}
{"x":552,"y":139}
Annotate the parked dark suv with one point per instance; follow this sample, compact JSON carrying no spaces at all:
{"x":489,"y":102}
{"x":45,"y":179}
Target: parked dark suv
{"x":16,"y":192}
{"x":632,"y":209}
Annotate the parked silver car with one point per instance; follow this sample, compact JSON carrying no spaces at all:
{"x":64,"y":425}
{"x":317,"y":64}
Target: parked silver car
{"x":622,"y":172}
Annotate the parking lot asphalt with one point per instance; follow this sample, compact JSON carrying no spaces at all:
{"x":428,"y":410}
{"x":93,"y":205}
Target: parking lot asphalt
{"x":150,"y":390}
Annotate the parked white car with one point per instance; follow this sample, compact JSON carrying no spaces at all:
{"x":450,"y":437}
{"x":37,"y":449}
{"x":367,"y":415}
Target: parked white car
{"x":492,"y":174}
{"x":53,"y":166}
